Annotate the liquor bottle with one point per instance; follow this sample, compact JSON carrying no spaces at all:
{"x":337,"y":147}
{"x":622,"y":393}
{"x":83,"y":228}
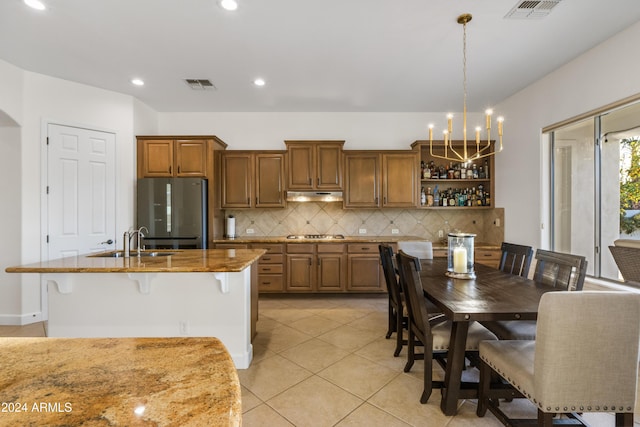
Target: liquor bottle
{"x":436,"y":197}
{"x":422,"y":166}
{"x":487,"y":199}
{"x":429,"y":197}
{"x":463,"y":171}
{"x":474,"y":171}
{"x":423,"y":197}
{"x":486,"y":168}
{"x":443,"y":172}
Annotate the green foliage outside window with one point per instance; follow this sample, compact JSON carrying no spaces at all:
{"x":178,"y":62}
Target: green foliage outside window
{"x":630,"y":186}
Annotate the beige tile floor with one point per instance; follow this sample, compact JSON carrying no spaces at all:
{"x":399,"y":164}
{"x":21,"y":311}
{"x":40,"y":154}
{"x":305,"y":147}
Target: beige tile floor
{"x":324,"y":361}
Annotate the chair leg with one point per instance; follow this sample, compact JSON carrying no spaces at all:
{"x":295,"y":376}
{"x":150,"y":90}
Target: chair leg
{"x":392,"y":316}
{"x":410,"y":351}
{"x":624,"y":419}
{"x":428,"y":376}
{"x":545,"y":419}
{"x":484,"y":387}
{"x":399,"y":334}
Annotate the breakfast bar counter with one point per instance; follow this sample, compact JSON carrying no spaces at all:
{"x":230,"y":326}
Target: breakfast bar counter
{"x":124,"y":381}
{"x":182,"y":292}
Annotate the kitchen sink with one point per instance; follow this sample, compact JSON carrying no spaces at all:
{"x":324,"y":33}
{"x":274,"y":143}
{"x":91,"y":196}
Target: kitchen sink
{"x":120,"y":254}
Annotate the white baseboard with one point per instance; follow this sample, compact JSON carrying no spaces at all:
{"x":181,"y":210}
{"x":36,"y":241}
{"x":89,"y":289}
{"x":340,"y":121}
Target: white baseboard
{"x":20,"y":319}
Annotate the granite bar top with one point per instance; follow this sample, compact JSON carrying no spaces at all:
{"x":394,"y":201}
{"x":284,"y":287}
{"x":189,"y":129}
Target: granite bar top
{"x":118,"y":381}
{"x":179,"y":261}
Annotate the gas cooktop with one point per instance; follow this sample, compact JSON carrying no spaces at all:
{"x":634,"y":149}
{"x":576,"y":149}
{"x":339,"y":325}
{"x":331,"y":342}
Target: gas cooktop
{"x":315,"y":236}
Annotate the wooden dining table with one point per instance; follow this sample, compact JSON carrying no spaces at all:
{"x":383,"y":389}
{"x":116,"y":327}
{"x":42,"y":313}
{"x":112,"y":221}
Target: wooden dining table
{"x":492,"y":295}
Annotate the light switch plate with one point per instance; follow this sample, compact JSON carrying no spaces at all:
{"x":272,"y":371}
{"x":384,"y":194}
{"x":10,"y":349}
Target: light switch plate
{"x":362,"y":231}
{"x":250,"y":231}
{"x":395,"y":231}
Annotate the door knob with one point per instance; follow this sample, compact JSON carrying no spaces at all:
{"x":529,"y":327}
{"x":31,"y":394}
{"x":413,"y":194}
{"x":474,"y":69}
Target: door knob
{"x":108,"y":242}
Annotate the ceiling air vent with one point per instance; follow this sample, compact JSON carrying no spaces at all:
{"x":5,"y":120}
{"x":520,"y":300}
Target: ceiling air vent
{"x":200,"y":84}
{"x":532,"y":9}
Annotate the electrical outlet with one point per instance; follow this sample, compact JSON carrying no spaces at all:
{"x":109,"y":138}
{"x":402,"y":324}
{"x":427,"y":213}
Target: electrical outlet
{"x":362,"y":231}
{"x":395,"y":231}
{"x":440,"y":234}
{"x":497,"y":222}
{"x":250,"y":231}
{"x":184,"y":327}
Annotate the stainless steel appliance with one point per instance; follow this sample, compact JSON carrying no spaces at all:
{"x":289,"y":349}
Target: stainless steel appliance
{"x":175,"y":212}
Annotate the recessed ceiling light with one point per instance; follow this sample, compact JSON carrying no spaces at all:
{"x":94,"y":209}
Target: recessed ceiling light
{"x":229,"y":4}
{"x":137,"y":82}
{"x":259,"y":82}
{"x":35,"y":4}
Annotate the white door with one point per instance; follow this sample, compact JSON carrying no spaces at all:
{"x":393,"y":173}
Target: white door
{"x":80,"y":191}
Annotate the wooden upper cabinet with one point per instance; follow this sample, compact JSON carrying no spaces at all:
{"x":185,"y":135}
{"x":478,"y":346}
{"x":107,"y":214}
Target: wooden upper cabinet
{"x":269,"y":181}
{"x":386,"y":179}
{"x":252,"y":179}
{"x":155,"y":158}
{"x":172,"y":158}
{"x":314,"y":165}
{"x":191,"y":158}
{"x":237,"y":177}
{"x":400,"y":180}
{"x":362,"y":179}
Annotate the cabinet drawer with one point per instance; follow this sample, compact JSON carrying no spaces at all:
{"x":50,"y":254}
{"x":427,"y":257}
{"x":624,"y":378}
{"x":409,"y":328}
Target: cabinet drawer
{"x":487,"y":254}
{"x":271,"y":259}
{"x":270,"y":283}
{"x":331,"y":248}
{"x":363,"y":248}
{"x":271,"y":248}
{"x":440,"y":253}
{"x":270,"y":268}
{"x":300,"y":248}
{"x":232,"y":246}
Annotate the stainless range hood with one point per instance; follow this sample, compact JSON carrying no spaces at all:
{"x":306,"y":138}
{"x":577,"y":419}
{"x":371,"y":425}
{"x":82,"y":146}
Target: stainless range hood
{"x":314,"y":196}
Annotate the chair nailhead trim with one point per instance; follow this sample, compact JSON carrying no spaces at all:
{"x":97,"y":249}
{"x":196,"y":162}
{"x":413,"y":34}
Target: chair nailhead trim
{"x":604,"y":407}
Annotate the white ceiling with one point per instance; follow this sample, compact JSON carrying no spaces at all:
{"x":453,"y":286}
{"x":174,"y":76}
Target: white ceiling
{"x":329,"y":55}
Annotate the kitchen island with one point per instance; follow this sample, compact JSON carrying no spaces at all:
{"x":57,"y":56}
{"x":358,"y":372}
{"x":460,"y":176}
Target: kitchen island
{"x":177,"y":293}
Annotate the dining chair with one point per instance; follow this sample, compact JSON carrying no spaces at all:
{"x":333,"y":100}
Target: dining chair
{"x":515,"y":259}
{"x":626,"y":253}
{"x":565,"y":272}
{"x":577,"y":368}
{"x":398,"y":319}
{"x":433,"y":333}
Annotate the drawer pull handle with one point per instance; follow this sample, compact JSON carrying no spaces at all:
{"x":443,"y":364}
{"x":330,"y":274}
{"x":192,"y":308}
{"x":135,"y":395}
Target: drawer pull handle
{"x":266,"y":269}
{"x":266,"y":258}
{"x":365,"y":249}
{"x":266,"y":283}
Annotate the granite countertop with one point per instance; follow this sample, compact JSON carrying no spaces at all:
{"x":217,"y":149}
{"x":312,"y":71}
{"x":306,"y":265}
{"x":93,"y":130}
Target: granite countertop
{"x":107,"y":381}
{"x":348,"y":239}
{"x":179,"y":260}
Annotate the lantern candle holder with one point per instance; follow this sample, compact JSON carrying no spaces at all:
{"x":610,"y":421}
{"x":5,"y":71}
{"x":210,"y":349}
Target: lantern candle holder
{"x":460,"y":256}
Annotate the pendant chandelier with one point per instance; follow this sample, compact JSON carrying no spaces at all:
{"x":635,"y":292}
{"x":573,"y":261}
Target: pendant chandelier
{"x":466,"y":152}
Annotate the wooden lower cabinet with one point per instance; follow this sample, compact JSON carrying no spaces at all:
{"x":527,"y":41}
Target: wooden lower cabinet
{"x":488,"y":257}
{"x":270,"y":267}
{"x":364,"y":268}
{"x":317,"y":267}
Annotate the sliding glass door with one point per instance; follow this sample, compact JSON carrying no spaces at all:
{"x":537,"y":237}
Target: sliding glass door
{"x":595,"y":186}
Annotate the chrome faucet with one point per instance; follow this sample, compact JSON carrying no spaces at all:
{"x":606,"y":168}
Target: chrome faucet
{"x":128,"y":235}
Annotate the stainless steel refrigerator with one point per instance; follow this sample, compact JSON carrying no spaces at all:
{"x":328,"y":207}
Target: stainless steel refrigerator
{"x":175,"y":212}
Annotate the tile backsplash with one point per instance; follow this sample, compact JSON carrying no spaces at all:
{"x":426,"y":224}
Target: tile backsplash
{"x":331,"y":218}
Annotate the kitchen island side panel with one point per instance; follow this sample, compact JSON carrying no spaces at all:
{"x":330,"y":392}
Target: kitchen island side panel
{"x":92,"y":305}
